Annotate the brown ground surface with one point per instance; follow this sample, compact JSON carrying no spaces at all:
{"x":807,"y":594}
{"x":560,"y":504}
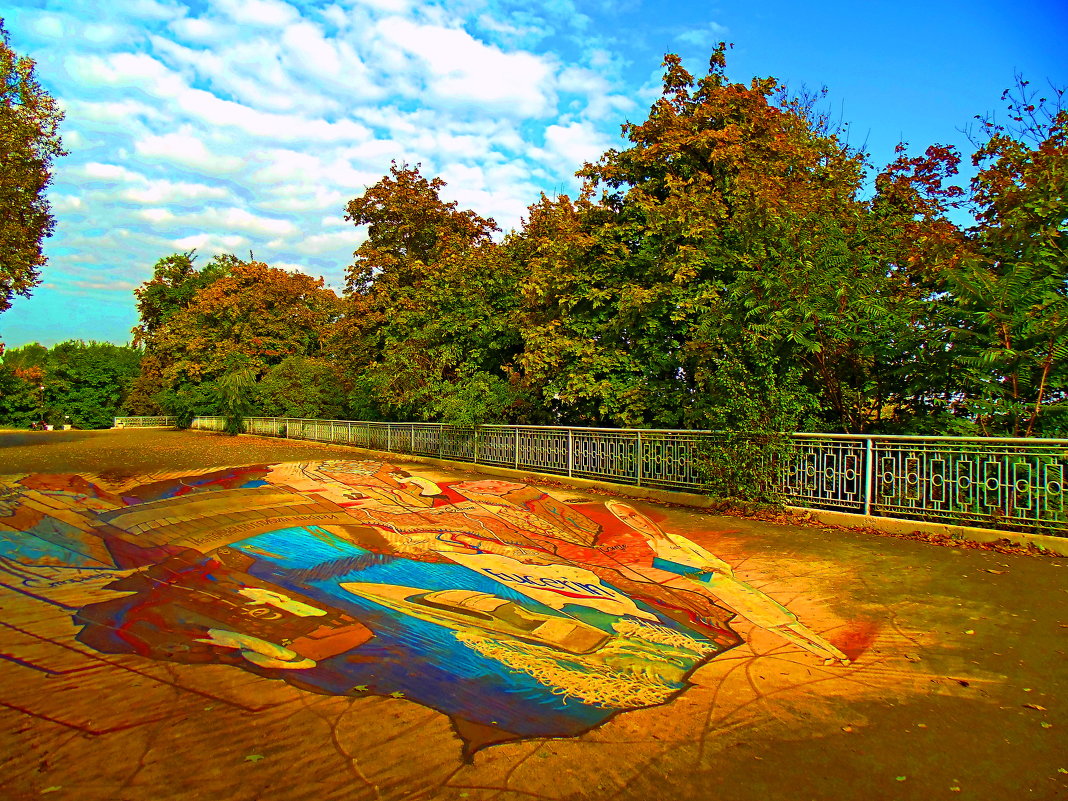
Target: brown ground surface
{"x":957,"y":690}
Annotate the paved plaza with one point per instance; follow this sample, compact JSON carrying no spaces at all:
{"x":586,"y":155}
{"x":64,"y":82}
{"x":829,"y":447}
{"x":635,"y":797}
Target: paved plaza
{"x":187,"y":615}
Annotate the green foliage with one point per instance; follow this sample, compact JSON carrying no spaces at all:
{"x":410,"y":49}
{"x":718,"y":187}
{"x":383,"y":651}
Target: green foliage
{"x":732,"y":228}
{"x":301,"y":386}
{"x":727,"y":268}
{"x":753,"y":422}
{"x":29,"y":141}
{"x":196,"y":324}
{"x":235,"y":393}
{"x":76,"y":383}
{"x":428,"y":327}
{"x":187,"y":400}
{"x":1013,"y":280}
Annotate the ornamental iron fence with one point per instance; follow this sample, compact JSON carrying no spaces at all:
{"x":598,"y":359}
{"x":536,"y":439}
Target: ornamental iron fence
{"x":145,"y":422}
{"x":1013,"y":484}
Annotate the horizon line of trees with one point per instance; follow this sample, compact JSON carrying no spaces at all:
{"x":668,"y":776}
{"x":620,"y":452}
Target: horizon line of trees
{"x":725,"y":269}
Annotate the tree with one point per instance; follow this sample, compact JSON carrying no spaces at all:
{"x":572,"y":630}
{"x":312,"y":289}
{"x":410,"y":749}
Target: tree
{"x":236,"y":390}
{"x":196,"y":325}
{"x":29,"y":140}
{"x":303,"y":386}
{"x":1013,"y":285}
{"x":430,"y":302}
{"x":87,"y":382}
{"x":731,"y":231}
{"x":83,"y":384}
{"x":175,"y":281}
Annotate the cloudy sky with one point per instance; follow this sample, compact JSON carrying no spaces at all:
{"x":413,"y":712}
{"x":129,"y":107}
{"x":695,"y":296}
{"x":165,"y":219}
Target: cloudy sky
{"x":238,"y":125}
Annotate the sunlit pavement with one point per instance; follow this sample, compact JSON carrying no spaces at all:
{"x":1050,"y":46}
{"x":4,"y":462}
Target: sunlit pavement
{"x":174,"y":627}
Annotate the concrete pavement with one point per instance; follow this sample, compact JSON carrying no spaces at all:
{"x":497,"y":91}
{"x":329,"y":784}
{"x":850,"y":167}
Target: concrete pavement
{"x":193,"y":616}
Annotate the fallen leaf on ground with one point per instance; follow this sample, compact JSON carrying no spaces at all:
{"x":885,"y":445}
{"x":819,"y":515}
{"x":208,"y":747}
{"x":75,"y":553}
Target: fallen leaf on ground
{"x":1035,"y":706}
{"x":254,"y":757}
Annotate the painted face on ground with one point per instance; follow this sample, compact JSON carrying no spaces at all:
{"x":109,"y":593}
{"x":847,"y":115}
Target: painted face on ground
{"x":636,"y":520}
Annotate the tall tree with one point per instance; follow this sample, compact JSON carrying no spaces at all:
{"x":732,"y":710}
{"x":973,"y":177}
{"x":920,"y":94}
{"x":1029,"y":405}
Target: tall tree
{"x":29,"y":141}
{"x":724,"y":255}
{"x":1013,"y":286}
{"x":174,"y":283}
{"x":239,"y":313}
{"x":430,"y":301}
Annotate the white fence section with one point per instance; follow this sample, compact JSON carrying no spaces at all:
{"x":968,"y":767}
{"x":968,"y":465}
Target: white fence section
{"x":144,"y":422}
{"x":1017,"y":484}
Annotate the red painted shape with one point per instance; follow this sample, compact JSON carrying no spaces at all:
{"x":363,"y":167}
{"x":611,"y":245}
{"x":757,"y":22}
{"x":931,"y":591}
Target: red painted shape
{"x":857,"y":638}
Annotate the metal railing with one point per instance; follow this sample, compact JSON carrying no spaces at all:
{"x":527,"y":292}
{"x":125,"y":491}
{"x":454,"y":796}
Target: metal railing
{"x":144,"y":422}
{"x":1013,"y":484}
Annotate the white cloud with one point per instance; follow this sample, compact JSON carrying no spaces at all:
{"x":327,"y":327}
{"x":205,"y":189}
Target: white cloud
{"x":156,"y":216}
{"x":201,"y":31}
{"x":64,"y":203}
{"x":109,"y":173}
{"x":460,"y":68}
{"x":259,"y":13}
{"x":164,"y":191}
{"x":291,"y":266}
{"x":575,"y":143}
{"x":238,"y":124}
{"x":333,"y":242}
{"x":703,"y":36}
{"x":211,"y":243}
{"x":112,"y":112}
{"x":221,"y":220}
{"x":185,"y":149}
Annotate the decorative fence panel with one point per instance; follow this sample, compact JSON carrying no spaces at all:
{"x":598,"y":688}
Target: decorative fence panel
{"x":1017,"y":484}
{"x":144,"y":422}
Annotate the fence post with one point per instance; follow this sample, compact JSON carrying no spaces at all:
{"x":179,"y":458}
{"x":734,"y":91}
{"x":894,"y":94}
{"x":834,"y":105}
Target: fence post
{"x":476,"y":444}
{"x":639,"y":459}
{"x":570,"y":451}
{"x":515,"y":432}
{"x":389,"y":437}
{"x":869,"y":477}
{"x":413,"y":439}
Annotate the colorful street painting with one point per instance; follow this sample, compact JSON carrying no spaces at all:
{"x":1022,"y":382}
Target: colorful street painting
{"x":515,"y":612}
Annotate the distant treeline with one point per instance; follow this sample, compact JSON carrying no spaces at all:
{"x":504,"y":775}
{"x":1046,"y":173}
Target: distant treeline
{"x":736,"y":266}
{"x":74,"y":383}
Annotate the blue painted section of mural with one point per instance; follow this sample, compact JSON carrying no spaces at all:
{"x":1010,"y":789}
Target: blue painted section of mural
{"x":422,"y":659}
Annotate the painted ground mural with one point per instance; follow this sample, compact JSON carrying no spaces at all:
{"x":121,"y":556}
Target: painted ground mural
{"x":511,"y":611}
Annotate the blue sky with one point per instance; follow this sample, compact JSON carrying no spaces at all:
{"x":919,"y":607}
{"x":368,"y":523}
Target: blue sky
{"x":237,"y":125}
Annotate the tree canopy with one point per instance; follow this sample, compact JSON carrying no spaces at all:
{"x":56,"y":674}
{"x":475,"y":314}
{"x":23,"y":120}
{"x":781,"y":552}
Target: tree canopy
{"x":29,"y":141}
{"x":736,"y":264}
